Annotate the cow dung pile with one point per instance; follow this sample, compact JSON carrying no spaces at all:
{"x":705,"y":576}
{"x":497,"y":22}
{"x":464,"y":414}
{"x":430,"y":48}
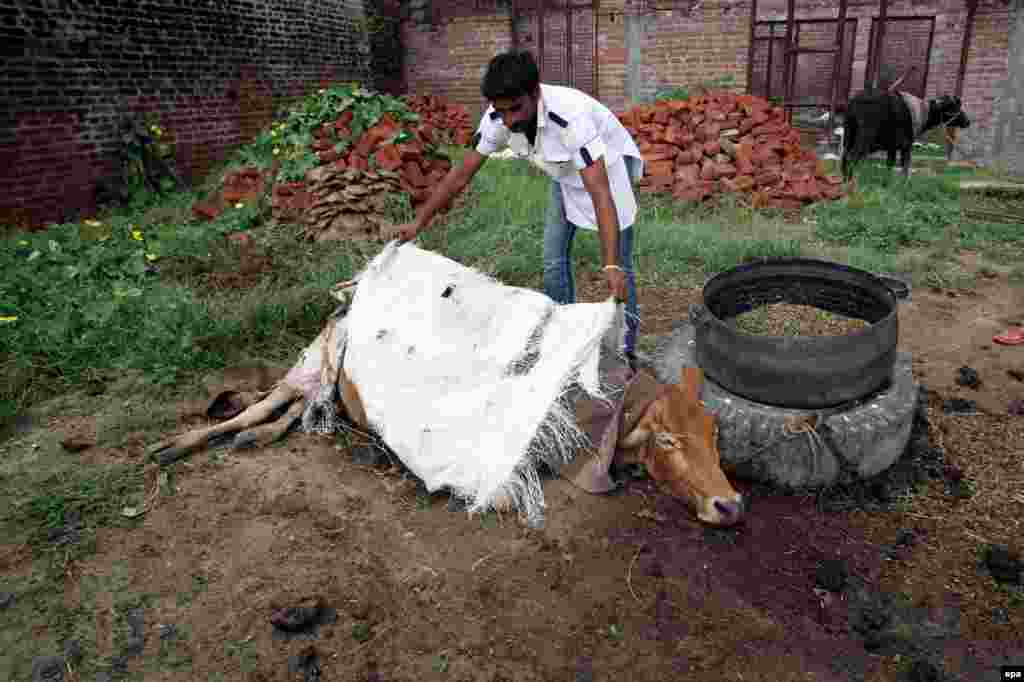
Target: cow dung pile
{"x":348,"y":203}
{"x":348,"y":192}
{"x":720,"y":141}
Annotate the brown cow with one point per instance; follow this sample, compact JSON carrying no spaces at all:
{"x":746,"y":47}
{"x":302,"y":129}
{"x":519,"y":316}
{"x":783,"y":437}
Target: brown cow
{"x":670,"y":434}
{"x":676,"y":441}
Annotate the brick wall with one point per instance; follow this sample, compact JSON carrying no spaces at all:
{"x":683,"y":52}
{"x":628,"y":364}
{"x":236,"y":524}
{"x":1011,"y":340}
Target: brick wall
{"x":215,"y":72}
{"x":611,"y":57}
{"x":685,"y":48}
{"x":448,"y":59}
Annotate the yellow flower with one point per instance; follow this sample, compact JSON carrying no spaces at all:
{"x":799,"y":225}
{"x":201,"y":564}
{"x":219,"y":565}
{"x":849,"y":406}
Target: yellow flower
{"x":239,"y":205}
{"x":8,"y":318}
{"x":93,"y":223}
{"x":276,"y":151}
{"x":273,"y":133}
{"x":151,"y":257}
{"x":137,"y":235}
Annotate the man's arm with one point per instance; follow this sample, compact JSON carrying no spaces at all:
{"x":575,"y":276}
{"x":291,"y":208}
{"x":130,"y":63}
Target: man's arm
{"x":595,"y":179}
{"x":454,"y":182}
{"x":490,"y":137}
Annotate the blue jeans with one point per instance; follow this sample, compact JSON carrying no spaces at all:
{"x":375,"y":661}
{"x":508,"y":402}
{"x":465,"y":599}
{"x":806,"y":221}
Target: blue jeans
{"x":559,"y":284}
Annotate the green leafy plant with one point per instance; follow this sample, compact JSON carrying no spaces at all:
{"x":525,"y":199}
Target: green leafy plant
{"x":684,"y":92}
{"x":290,"y":140}
{"x":672,"y":94}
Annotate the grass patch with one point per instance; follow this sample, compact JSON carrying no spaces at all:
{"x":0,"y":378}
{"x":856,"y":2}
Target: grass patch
{"x":886,"y":211}
{"x":43,"y":489}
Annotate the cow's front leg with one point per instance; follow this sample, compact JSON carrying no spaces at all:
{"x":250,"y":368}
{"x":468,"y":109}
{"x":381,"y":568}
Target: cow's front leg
{"x":269,"y":432}
{"x":172,"y":450}
{"x":905,"y":160}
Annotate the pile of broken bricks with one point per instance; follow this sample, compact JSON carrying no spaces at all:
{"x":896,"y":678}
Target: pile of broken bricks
{"x":724,"y":142}
{"x":451,"y":121}
{"x":344,"y":197}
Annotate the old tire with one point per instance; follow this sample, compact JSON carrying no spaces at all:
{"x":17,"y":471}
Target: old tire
{"x":851,"y":442}
{"x":798,"y":372}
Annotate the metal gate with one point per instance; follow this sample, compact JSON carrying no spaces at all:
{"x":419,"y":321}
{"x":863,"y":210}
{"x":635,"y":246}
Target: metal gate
{"x":813,"y":65}
{"x":562,"y":36}
{"x":906,"y":44}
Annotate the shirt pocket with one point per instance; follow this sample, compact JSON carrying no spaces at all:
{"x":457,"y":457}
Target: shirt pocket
{"x":556,"y":161}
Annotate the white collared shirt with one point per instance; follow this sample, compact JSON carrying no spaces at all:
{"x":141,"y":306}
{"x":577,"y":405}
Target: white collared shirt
{"x":573,"y":131}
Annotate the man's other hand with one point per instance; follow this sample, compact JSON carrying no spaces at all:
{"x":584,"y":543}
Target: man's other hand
{"x":616,"y":283}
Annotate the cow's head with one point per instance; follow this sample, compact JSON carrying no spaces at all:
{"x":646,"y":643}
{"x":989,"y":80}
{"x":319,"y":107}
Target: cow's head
{"x":675,"y":440}
{"x":950,"y":112}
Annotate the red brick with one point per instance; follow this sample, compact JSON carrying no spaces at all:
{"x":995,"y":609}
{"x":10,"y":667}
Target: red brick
{"x":659,"y":169}
{"x":658,"y":152}
{"x":688,"y":156}
{"x":708,"y":170}
{"x":388,"y":157}
{"x":688,"y":174}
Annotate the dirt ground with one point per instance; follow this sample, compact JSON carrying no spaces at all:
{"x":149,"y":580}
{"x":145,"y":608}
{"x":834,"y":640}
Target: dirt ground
{"x":627,"y":586}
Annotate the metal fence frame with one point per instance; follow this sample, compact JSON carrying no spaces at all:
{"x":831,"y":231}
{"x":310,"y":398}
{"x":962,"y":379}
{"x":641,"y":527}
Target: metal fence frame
{"x":538,"y":11}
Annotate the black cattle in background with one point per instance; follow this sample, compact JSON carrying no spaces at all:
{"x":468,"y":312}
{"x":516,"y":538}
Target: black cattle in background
{"x":891,"y":122}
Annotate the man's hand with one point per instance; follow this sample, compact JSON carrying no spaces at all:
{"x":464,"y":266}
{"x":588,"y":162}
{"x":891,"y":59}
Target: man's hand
{"x":616,"y":283}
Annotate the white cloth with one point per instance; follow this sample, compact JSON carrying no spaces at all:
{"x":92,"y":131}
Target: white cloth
{"x":463,"y":377}
{"x":559,"y":150}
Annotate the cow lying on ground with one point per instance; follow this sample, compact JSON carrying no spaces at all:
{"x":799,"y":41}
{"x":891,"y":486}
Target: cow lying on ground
{"x":891,"y":122}
{"x":663,"y":427}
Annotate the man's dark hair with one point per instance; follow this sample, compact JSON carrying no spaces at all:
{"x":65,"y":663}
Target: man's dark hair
{"x":510,"y":74}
